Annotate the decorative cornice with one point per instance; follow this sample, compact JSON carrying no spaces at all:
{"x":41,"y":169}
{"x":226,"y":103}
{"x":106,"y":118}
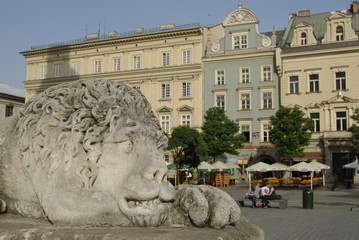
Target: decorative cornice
{"x":110,"y":42}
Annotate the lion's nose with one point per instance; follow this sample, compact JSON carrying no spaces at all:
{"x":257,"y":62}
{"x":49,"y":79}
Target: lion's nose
{"x":167,"y":191}
{"x":155,"y":171}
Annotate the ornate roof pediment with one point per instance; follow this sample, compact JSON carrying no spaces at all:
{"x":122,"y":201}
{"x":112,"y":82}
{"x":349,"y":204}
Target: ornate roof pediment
{"x":303,"y":25}
{"x":339,"y":98}
{"x":164,"y":110}
{"x":240,"y":16}
{"x":313,"y":105}
{"x":338,"y":15}
{"x":185,"y":108}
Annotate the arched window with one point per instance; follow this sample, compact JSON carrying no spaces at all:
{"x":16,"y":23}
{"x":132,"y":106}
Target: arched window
{"x":303,"y":38}
{"x":339,"y":33}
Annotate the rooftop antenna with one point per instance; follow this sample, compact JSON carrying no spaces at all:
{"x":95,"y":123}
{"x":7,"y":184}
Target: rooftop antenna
{"x":85,"y":29}
{"x":104,"y":26}
{"x":99,"y":28}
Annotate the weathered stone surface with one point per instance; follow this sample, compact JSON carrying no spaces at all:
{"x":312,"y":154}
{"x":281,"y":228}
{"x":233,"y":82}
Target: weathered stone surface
{"x":91,"y":153}
{"x":17,"y":228}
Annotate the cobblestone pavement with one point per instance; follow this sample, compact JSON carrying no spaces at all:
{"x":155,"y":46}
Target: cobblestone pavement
{"x":331,"y":218}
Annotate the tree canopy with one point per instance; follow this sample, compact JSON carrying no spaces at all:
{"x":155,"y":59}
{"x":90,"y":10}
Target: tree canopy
{"x":354,"y":129}
{"x":186,"y":146}
{"x":220,"y":133}
{"x":290,"y":132}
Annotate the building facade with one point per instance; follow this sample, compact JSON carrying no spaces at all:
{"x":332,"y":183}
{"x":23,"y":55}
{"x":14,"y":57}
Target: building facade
{"x":11,"y":100}
{"x":318,"y":68}
{"x":163,"y":63}
{"x":240,"y":76}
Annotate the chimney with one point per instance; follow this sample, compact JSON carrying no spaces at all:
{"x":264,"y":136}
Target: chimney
{"x":304,"y":13}
{"x":292,"y":15}
{"x":355,"y":7}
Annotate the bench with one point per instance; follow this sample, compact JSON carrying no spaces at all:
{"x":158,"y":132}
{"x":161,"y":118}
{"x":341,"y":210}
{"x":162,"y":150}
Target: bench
{"x":283,"y":203}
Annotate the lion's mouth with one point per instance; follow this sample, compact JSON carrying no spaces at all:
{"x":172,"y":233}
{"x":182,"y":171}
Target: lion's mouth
{"x":144,"y":213}
{"x":147,"y":203}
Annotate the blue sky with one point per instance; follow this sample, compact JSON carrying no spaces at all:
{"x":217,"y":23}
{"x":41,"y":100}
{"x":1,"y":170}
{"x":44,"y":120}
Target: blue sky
{"x":25,"y":23}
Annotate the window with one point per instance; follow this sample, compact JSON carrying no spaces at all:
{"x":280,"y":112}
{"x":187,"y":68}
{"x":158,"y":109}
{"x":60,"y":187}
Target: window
{"x":314,"y":83}
{"x":165,"y":90}
{"x":166,"y":158}
{"x":43,"y":72}
{"x":220,"y":101}
{"x":186,"y":57}
{"x":245,"y":101}
{"x":339,"y":33}
{"x":316,"y":121}
{"x":245,"y":75}
{"x":266,"y":130}
{"x":340,"y":82}
{"x":186,"y":89}
{"x":165,"y":59}
{"x":293,"y":84}
{"x":75,"y":69}
{"x":341,"y":121}
{"x":303,"y":38}
{"x":246,"y":132}
{"x":116,"y":64}
{"x":240,"y":41}
{"x":9,"y":110}
{"x":97,"y":66}
{"x":136,"y":62}
{"x":165,"y":123}
{"x":58,"y":70}
{"x":267,"y":100}
{"x":220,"y":77}
{"x":266,"y":74}
{"x":186,"y":119}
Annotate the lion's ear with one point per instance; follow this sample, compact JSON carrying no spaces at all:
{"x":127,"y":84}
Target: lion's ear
{"x":128,"y":146}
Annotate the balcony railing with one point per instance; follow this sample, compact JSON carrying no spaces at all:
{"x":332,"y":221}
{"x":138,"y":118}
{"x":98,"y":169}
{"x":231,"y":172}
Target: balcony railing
{"x":113,"y":36}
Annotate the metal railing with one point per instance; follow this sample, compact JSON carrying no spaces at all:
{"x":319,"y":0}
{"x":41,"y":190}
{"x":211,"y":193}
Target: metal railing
{"x":120,"y":35}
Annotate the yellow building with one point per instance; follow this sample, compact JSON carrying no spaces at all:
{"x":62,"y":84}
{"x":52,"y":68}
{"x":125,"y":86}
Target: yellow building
{"x":163,"y":63}
{"x":318,"y":68}
{"x":11,"y":100}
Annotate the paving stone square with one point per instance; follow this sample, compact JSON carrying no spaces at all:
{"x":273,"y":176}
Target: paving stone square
{"x":331,"y":218}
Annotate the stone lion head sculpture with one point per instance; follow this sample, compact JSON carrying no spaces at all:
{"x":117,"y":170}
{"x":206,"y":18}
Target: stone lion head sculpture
{"x":90,"y":152}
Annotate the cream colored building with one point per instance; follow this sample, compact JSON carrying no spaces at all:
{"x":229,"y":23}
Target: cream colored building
{"x":318,"y":68}
{"x":164,"y":64}
{"x":11,"y":100}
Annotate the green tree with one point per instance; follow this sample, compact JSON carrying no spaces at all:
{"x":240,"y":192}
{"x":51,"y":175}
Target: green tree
{"x":220,"y":133}
{"x":186,"y":146}
{"x":354,"y":129}
{"x":290,"y":132}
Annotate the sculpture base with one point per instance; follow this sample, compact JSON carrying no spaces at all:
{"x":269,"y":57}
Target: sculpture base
{"x":16,"y":227}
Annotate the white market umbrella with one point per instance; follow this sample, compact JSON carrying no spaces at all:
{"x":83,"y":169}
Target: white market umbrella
{"x":220,"y":166}
{"x":280,"y":166}
{"x":354,"y":164}
{"x":321,"y":166}
{"x":231,"y":165}
{"x":259,"y":167}
{"x":305,"y":167}
{"x":205,"y":166}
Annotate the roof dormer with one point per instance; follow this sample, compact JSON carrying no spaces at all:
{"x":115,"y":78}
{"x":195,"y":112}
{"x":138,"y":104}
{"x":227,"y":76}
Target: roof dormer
{"x":339,"y":28}
{"x":303,"y":35}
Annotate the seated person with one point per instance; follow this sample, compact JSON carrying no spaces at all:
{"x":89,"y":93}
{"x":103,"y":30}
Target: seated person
{"x":252,"y":196}
{"x":266,"y":192}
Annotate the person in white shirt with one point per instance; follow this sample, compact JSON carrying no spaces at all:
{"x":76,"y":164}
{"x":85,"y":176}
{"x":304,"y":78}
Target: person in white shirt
{"x":265,"y":193}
